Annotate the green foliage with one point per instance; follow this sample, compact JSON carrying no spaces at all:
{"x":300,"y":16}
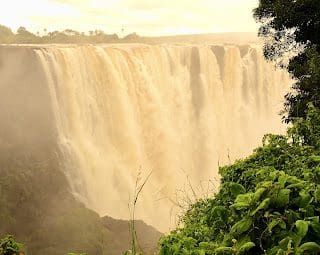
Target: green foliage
{"x":66,"y":36}
{"x":292,"y":30}
{"x":268,"y":203}
{"x":5,"y":34}
{"x":8,"y":246}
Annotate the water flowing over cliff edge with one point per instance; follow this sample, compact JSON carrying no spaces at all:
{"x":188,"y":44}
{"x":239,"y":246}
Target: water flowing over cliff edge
{"x":112,"y":111}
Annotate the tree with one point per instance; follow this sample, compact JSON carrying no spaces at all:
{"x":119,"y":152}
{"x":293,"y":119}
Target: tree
{"x":24,"y":36}
{"x":23,"y":31}
{"x":292,"y":30}
{"x":5,"y":31}
{"x":5,"y":34}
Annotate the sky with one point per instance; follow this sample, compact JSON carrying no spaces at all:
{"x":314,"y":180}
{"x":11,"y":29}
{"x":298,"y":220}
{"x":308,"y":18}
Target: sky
{"x":146,"y":17}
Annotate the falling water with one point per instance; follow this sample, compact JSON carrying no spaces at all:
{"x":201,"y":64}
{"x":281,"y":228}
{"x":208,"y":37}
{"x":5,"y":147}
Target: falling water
{"x":176,"y":110}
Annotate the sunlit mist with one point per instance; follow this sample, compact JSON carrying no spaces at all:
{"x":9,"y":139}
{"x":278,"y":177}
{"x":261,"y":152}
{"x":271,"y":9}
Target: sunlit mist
{"x":146,"y":17}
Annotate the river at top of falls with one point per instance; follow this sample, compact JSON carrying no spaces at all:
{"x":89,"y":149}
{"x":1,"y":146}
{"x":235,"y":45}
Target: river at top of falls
{"x":177,"y":111}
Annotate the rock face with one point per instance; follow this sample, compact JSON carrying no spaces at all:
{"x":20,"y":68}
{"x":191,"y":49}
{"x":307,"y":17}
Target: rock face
{"x":38,"y":208}
{"x":147,"y":235}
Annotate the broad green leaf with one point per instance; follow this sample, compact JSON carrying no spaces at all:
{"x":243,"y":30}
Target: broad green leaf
{"x":241,"y":226}
{"x":259,"y":192}
{"x":283,"y":180}
{"x":273,"y":224}
{"x":243,"y":201}
{"x":302,"y":229}
{"x":207,"y":246}
{"x":245,"y":247}
{"x":315,"y":227}
{"x":317,"y":194}
{"x":305,"y":198}
{"x":280,"y":252}
{"x":223,"y":250}
{"x":281,"y":198}
{"x":236,"y":189}
{"x":285,"y":243}
{"x":299,"y":185}
{"x":273,"y":175}
{"x":244,"y":198}
{"x":314,"y":219}
{"x":219,"y":212}
{"x":315,"y":158}
{"x":266,"y":184}
{"x":240,"y":242}
{"x":282,"y":225}
{"x":293,"y":179}
{"x":240,"y":205}
{"x":201,"y":252}
{"x":308,"y":210}
{"x":263,"y":205}
{"x":310,"y":247}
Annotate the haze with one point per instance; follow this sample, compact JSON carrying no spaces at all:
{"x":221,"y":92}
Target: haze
{"x":146,"y":17}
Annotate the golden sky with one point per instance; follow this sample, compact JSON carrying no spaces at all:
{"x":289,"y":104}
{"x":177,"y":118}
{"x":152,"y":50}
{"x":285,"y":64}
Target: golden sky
{"x":146,"y":17}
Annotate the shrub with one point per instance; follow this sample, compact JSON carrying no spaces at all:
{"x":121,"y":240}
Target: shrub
{"x":8,"y":246}
{"x":268,"y":203}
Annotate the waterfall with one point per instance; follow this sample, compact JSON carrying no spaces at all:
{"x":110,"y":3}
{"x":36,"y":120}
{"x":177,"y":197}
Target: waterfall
{"x":177,"y":111}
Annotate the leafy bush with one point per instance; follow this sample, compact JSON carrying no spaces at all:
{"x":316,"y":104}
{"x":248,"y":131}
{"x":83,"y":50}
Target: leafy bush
{"x":8,"y":246}
{"x":268,"y":203}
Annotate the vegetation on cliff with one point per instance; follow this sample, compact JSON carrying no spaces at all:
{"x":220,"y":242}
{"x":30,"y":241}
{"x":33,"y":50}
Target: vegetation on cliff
{"x":38,"y":208}
{"x":40,"y":211}
{"x":269,"y":203}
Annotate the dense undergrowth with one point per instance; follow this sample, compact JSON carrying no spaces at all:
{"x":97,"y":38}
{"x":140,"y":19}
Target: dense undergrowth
{"x":268,"y":203}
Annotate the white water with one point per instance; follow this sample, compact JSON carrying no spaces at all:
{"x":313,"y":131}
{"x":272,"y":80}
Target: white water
{"x":175,"y":110}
